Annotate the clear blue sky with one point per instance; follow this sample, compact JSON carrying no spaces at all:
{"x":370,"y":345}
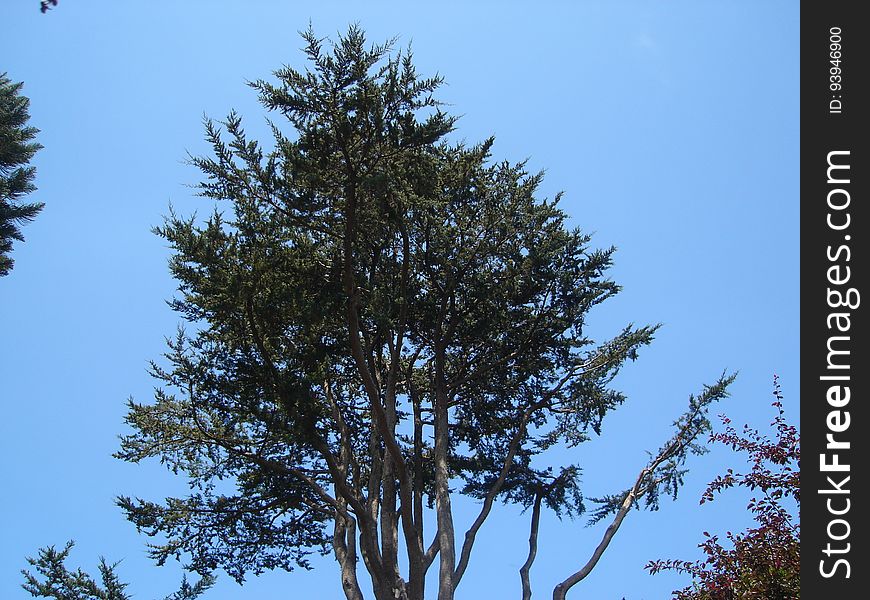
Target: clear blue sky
{"x":671,"y":126}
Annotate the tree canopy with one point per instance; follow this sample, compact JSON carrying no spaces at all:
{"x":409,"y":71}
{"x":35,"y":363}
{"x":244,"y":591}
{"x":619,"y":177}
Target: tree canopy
{"x":377,"y":320}
{"x":17,"y":147}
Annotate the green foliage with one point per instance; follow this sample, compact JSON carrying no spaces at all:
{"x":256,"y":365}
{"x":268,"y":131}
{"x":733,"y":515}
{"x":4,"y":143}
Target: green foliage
{"x":16,"y":176}
{"x":373,"y":315}
{"x":63,"y":584}
{"x":665,"y":470}
{"x":54,"y":580}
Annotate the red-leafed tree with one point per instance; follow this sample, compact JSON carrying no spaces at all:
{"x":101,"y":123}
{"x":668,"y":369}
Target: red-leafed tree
{"x":764,"y":561}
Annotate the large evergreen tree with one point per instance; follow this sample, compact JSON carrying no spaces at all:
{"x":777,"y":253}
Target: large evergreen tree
{"x":17,"y":147}
{"x":378,"y":320}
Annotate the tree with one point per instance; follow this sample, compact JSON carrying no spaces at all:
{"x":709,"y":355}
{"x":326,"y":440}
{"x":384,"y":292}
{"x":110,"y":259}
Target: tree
{"x":16,"y":176}
{"x":54,"y":580}
{"x":383,"y":320}
{"x":764,"y":561}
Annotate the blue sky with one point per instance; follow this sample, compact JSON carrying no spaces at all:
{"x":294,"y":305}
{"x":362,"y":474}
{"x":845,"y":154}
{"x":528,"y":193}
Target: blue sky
{"x":672,"y":127}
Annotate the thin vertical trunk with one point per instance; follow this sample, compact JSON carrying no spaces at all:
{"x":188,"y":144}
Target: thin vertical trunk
{"x":442,"y":484}
{"x":344,"y":545}
{"x":418,"y":461}
{"x":417,"y":571}
{"x":389,"y":523}
{"x":533,"y":546}
{"x":344,"y":535}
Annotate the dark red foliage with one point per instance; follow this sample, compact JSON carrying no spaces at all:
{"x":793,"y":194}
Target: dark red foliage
{"x":764,"y":561}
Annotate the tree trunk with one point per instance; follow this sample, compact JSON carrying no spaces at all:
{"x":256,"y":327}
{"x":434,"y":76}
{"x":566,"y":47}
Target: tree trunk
{"x":442,"y":484}
{"x":562,"y":589}
{"x":533,"y":547}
